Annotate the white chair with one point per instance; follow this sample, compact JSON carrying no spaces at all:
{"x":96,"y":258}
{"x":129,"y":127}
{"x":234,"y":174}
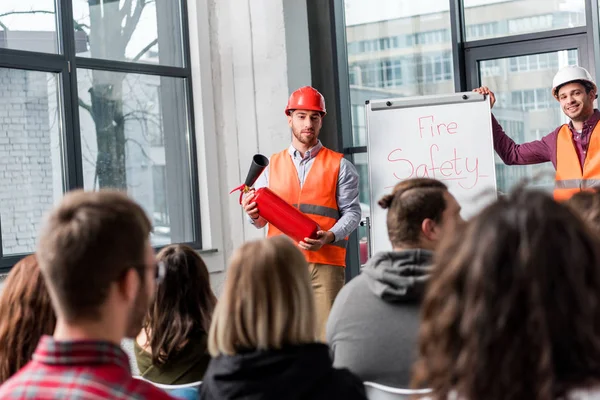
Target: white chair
{"x":183,"y":391}
{"x":376,"y":391}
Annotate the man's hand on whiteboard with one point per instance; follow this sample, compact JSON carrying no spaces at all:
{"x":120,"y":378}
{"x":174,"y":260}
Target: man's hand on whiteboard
{"x":325,"y":237}
{"x":486,"y":91}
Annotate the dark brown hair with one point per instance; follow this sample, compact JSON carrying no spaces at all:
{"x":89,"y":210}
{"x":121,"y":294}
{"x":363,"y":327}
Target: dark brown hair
{"x":512,"y":310}
{"x":89,"y":241}
{"x":183,"y":305}
{"x":587,"y":206}
{"x":588,"y":86}
{"x":410,"y":203}
{"x":26,"y":314}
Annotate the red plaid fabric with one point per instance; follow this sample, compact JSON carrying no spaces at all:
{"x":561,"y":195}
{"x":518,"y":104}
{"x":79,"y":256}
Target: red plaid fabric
{"x":79,"y":370}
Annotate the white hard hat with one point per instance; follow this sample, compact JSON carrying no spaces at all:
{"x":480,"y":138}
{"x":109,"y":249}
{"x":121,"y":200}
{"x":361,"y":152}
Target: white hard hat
{"x":568,"y":74}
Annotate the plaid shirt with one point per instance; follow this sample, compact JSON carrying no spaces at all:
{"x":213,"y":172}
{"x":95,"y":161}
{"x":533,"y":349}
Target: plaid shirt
{"x":79,"y":370}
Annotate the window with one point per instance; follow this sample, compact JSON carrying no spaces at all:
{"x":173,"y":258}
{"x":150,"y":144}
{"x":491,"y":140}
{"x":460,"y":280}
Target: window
{"x":31,"y":178}
{"x":526,"y":112}
{"x":143,"y":37}
{"x":537,"y":62}
{"x":29,"y":25}
{"x":127,"y":119}
{"x":520,"y":17}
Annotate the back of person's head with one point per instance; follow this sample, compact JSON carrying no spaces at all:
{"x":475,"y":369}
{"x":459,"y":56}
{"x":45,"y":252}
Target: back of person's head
{"x":512,"y":310}
{"x":587,"y":206}
{"x":267,"y":301}
{"x":25,"y":315}
{"x":89,"y":242}
{"x":417,"y":210}
{"x":183,"y":305}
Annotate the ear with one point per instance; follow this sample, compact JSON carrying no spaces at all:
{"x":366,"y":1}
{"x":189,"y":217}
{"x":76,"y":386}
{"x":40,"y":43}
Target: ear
{"x":129,"y":285}
{"x":429,"y":229}
{"x":289,"y":117}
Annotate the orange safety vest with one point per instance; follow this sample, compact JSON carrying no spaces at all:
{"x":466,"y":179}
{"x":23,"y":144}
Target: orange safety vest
{"x":316,"y":198}
{"x":570,"y":178}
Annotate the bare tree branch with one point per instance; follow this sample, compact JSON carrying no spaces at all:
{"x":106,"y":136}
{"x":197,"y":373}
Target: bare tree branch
{"x":141,"y":148}
{"x":145,"y":49}
{"x":131,"y":22}
{"x":79,"y":26}
{"x":27,"y":12}
{"x":86,"y":106}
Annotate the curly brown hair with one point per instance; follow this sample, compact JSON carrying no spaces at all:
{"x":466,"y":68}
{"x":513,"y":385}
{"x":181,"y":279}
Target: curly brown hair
{"x":512,"y":310}
{"x":27,"y":314}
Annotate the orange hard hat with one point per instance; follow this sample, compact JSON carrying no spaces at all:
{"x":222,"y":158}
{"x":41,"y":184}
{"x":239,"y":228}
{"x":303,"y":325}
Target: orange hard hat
{"x":306,"y":98}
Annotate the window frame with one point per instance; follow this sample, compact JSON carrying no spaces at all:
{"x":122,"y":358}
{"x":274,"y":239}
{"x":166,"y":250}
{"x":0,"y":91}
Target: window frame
{"x":66,"y":64}
{"x":462,"y":50}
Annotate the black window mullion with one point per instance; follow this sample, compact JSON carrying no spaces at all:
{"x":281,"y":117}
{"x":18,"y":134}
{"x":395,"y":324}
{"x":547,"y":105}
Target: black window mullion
{"x":457,"y":28}
{"x":193,"y":159}
{"x":132,"y":67}
{"x":73,"y":162}
{"x":20,"y":59}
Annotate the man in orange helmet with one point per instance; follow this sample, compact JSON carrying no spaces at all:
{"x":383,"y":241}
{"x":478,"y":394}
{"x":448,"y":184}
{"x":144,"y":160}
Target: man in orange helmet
{"x":328,"y":195}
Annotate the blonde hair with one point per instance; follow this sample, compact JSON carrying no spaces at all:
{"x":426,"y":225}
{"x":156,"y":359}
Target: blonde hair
{"x":267,"y":301}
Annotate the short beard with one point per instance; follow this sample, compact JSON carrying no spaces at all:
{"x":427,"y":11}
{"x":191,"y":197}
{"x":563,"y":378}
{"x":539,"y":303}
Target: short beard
{"x":304,"y":140}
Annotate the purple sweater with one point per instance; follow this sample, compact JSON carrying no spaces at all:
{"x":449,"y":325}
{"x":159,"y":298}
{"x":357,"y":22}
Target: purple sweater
{"x":539,"y":151}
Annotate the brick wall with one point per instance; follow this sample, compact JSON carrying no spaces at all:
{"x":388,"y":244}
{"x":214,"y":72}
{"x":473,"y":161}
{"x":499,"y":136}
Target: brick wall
{"x":27,"y":119}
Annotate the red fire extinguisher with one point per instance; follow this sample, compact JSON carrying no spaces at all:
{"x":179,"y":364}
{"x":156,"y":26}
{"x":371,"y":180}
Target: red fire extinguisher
{"x":274,"y":209}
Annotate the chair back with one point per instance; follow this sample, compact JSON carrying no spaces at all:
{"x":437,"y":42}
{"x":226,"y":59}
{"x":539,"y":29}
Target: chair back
{"x":376,"y":391}
{"x":186,"y":391}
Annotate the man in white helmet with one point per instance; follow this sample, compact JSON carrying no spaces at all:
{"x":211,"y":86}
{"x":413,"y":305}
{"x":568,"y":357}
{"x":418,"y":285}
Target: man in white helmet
{"x":573,"y":148}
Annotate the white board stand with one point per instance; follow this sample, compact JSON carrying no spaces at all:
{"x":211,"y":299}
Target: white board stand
{"x":446,"y":137}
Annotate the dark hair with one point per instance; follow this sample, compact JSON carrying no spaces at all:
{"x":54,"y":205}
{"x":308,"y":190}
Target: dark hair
{"x":183,"y":305}
{"x":587,"y":206}
{"x":588,"y":86}
{"x":89,"y":241}
{"x":512,"y":310}
{"x":411,"y":202}
{"x":26,"y":314}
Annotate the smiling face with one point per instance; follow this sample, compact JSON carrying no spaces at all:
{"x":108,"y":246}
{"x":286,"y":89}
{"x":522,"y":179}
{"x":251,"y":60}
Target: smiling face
{"x":575,"y":102}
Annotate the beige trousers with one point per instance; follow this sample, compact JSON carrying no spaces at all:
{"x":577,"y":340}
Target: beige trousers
{"x":327,"y":281}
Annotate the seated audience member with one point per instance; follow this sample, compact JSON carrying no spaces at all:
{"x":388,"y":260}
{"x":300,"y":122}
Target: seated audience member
{"x":172,"y":347}
{"x":263,"y":335}
{"x":25,"y":315}
{"x":587,"y":206}
{"x":95,"y":255}
{"x":374,"y":323}
{"x":512,"y":309}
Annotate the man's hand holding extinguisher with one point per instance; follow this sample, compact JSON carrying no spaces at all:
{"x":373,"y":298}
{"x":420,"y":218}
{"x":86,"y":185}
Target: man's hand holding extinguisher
{"x":323,"y":237}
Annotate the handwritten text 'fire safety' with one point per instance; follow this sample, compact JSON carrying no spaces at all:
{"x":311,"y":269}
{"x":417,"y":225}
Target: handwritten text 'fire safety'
{"x":440,"y":163}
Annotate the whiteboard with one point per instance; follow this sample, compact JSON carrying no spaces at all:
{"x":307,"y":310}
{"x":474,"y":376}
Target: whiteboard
{"x":447,"y":137}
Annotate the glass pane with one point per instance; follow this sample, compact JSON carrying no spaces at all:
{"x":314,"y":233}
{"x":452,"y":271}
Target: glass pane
{"x":28,"y":25}
{"x":396,"y":51}
{"x":526,"y":109}
{"x":30,"y":155}
{"x":130,"y":30}
{"x":487,"y":19}
{"x":134,"y":136}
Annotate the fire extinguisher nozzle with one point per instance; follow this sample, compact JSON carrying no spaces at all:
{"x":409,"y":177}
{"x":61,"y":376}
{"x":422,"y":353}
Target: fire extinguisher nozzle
{"x":259,"y":163}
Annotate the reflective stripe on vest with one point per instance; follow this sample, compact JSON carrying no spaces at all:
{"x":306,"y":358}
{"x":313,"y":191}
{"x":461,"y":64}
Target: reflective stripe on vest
{"x":319,"y":210}
{"x":570,"y":178}
{"x":316,"y":198}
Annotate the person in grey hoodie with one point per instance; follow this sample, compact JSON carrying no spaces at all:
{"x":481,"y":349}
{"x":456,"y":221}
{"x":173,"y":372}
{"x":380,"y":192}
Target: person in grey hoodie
{"x":373,"y":326}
